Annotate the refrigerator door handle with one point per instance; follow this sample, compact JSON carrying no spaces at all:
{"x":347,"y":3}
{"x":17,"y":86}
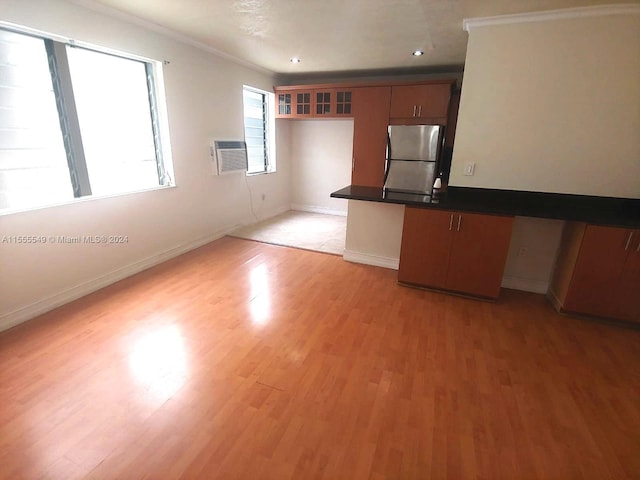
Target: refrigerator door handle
{"x":387,"y":163}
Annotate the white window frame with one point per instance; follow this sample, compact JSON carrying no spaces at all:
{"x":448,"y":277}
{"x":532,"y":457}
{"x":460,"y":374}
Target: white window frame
{"x":268,"y":128}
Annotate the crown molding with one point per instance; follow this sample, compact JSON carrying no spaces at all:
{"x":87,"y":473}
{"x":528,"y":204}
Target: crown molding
{"x":548,"y":15}
{"x":127,"y":17}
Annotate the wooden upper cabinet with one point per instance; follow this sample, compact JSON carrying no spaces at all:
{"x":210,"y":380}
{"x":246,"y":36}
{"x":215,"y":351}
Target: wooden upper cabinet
{"x":284,"y":104}
{"x":371,"y":114}
{"x":416,"y":104}
{"x":294,"y":103}
{"x":456,"y":251}
{"x":425,"y":102}
{"x":303,"y":104}
{"x":308,"y":103}
{"x":333,"y":102}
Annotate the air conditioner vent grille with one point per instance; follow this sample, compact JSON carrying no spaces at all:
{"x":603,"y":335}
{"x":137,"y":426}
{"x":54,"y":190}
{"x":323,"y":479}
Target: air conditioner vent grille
{"x":231,"y":156}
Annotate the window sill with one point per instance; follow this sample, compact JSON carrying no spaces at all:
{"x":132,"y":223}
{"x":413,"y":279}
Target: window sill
{"x":260,"y":173}
{"x":91,"y":198}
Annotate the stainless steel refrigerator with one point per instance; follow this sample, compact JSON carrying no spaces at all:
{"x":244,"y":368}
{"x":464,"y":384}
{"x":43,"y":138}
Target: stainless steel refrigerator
{"x":412,"y":158}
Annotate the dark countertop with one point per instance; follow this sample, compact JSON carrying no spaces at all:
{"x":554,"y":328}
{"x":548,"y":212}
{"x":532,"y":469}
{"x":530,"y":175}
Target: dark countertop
{"x":624,"y":212}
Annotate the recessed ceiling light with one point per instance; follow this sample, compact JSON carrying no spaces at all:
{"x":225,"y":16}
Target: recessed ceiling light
{"x":417,"y":53}
{"x":294,"y":60}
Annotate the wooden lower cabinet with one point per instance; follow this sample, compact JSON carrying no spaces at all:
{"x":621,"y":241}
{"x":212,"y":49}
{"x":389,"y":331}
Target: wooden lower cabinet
{"x":457,"y":251}
{"x":598,"y":272}
{"x":426,"y":245}
{"x":628,"y":292}
{"x":370,"y":119}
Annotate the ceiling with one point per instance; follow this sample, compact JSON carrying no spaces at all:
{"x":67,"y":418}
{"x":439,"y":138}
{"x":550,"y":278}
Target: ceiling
{"x":332,"y":36}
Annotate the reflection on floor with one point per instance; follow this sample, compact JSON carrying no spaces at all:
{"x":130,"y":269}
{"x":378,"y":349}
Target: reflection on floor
{"x":310,"y":231}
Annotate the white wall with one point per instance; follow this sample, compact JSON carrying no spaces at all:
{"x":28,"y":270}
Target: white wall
{"x":532,"y":254}
{"x":321,"y":152}
{"x":374,"y":233}
{"x":552,"y":106}
{"x":204,"y":102}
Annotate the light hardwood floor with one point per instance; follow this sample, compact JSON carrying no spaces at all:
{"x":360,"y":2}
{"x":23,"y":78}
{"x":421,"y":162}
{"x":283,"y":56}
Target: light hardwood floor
{"x":242,"y":360}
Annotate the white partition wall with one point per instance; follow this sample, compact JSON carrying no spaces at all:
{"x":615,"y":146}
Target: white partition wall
{"x":551,"y":103}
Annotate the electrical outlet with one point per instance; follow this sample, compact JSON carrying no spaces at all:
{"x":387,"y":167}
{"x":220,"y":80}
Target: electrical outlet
{"x":469,"y":167}
{"x":522,"y":251}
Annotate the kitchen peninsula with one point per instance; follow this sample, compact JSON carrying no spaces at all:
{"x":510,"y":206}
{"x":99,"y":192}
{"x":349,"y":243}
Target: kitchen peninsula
{"x":457,"y":240}
{"x":623,"y":212}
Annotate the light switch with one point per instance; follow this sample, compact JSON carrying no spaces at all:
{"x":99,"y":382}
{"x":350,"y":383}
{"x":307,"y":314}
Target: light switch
{"x":469,"y":167}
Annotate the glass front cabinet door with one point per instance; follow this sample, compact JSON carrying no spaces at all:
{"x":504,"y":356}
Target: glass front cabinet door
{"x":333,"y":102}
{"x":330,"y":102}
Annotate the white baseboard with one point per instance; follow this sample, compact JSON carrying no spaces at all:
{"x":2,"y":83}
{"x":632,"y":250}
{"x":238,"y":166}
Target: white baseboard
{"x":318,"y":209}
{"x":22,"y":314}
{"x":525,"y":284}
{"x":385,"y":262}
{"x":555,"y":301}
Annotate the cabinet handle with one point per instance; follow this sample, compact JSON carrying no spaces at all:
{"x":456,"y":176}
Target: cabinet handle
{"x":626,"y":245}
{"x":353,"y":163}
{"x":459,"y":222}
{"x":451,"y":222}
{"x":420,"y":111}
{"x":414,"y":110}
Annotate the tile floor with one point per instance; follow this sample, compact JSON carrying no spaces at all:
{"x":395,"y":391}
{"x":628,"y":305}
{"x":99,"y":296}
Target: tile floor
{"x":309,"y":231}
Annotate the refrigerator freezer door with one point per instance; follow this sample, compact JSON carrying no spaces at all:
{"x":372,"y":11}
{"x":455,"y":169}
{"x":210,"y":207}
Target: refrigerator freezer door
{"x":410,"y":176}
{"x":414,"y":142}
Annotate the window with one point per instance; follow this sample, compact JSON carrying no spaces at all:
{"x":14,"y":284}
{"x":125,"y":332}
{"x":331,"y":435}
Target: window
{"x":258,"y":130}
{"x":75,"y":122}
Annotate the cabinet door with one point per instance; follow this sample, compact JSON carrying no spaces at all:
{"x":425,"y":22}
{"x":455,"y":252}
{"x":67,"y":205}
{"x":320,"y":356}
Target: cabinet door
{"x":344,"y":102}
{"x":627,"y":292}
{"x":478,"y":253}
{"x":294,"y":103}
{"x":333,"y":102}
{"x":303,"y":103}
{"x":601,"y":261}
{"x":426,"y":242}
{"x":284,"y":104}
{"x":370,"y":116}
{"x":427,"y":102}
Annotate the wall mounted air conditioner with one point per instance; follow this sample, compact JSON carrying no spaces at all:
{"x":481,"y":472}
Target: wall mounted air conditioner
{"x":229,"y":157}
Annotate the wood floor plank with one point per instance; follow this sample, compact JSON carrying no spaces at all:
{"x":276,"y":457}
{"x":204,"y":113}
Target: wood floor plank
{"x":246,"y":360}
